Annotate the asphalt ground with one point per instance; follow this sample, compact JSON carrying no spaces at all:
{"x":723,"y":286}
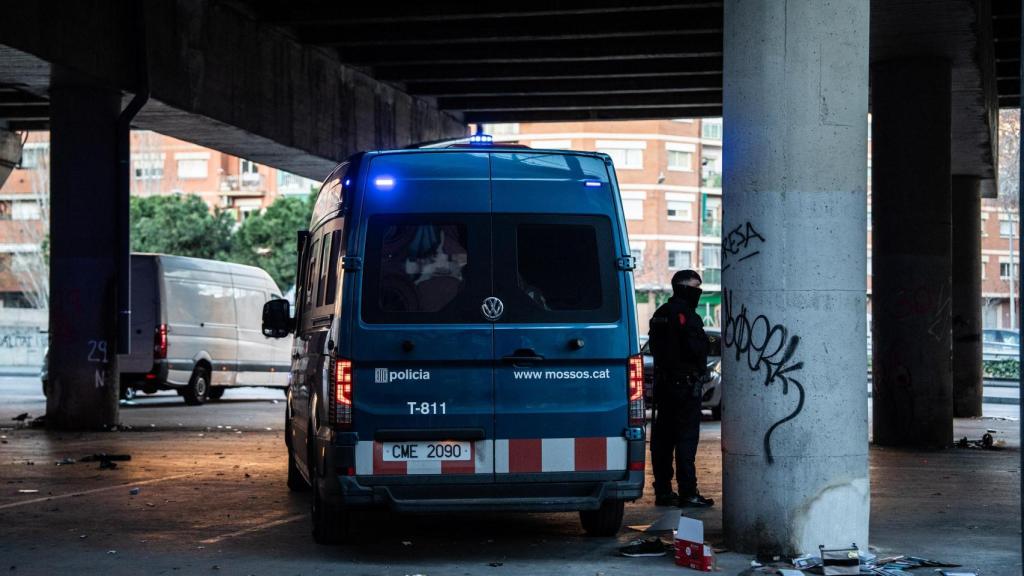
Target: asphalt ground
{"x":211,"y":499}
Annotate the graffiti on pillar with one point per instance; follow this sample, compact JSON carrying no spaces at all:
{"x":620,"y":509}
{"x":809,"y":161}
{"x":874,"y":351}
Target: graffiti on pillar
{"x":98,"y":355}
{"x":741,"y":243}
{"x":931,"y":302}
{"x":768,"y":348}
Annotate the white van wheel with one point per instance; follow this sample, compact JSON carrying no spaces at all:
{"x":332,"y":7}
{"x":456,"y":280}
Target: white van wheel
{"x":215,"y":392}
{"x":198,"y":386}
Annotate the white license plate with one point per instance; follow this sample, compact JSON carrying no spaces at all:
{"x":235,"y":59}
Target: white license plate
{"x":441,"y":451}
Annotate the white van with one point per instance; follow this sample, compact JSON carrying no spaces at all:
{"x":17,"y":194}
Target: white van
{"x":196,"y":328}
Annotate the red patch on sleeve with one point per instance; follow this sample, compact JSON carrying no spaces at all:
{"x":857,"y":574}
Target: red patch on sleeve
{"x":682,"y":319}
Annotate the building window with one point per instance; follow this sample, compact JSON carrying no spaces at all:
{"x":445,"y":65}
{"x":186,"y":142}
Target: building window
{"x":626,"y":154}
{"x":1006,"y":270}
{"x":625,"y":159}
{"x":634,"y":209}
{"x":984,"y":266}
{"x":680,"y":210}
{"x":552,"y":144}
{"x":638,"y":257}
{"x":148,"y":166}
{"x":711,"y":129}
{"x":680,"y":160}
{"x":678,"y":259}
{"x":249,"y":171}
{"x":34,"y":155}
{"x":22,"y":210}
{"x":1007,"y":228}
{"x":192,"y":168}
{"x":501,"y":129}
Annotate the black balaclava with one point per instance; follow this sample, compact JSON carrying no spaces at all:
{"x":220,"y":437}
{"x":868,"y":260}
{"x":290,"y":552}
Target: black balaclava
{"x":689,"y":294}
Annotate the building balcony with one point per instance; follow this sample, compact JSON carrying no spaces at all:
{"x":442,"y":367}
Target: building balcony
{"x":711,"y":180}
{"x":712,"y":277}
{"x":711,"y":228}
{"x":248,"y":184}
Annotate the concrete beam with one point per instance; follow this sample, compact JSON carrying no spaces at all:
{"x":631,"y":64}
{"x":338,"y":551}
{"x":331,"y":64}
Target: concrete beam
{"x":219,"y":78}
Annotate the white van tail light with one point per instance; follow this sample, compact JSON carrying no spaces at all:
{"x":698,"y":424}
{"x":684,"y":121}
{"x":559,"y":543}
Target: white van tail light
{"x":341,"y":398}
{"x":636,"y":390}
{"x":160,"y":342}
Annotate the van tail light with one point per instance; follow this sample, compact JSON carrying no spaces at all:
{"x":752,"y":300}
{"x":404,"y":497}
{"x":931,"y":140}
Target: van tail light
{"x":341,"y":393}
{"x":636,"y":390}
{"x":160,"y":342}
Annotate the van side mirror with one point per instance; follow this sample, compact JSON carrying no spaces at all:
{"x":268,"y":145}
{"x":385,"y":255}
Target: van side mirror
{"x":277,"y":318}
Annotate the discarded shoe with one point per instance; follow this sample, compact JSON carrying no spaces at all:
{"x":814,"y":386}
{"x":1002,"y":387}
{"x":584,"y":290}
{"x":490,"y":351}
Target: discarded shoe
{"x":666,"y":499}
{"x":695,"y":501}
{"x":641,"y":548}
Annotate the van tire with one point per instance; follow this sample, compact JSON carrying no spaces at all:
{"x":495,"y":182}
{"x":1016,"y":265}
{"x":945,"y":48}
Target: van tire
{"x":198,"y":386}
{"x":716,"y":412}
{"x":331,"y":525}
{"x":606,"y":520}
{"x":296,"y":483}
{"x":215,"y":392}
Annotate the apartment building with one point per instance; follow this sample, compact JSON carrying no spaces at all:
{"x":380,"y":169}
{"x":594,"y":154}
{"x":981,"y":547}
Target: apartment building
{"x":160,"y":165}
{"x":670,"y":174}
{"x":1000,"y":231}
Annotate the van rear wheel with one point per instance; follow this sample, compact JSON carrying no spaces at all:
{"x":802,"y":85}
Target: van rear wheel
{"x":215,"y":393}
{"x":606,"y":520}
{"x":198,"y":386}
{"x":331,"y":525}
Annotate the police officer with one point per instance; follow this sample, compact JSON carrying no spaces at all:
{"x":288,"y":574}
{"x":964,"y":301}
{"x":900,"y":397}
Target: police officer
{"x":680,"y":350}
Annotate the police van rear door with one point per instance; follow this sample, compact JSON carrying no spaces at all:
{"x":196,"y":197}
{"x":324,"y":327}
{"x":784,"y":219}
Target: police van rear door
{"x":561,"y":344}
{"x":422,"y":352}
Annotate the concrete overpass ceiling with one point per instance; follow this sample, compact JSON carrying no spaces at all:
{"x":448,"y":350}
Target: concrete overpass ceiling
{"x":534,"y":61}
{"x":1006,"y":35}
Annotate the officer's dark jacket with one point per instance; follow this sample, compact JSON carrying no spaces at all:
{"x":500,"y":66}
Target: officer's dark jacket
{"x":678,"y":341}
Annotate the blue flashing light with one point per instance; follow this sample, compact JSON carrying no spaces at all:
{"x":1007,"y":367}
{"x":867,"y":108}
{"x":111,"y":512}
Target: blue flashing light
{"x":481,"y":139}
{"x":384,"y":182}
{"x":592,"y":183}
{"x":348,"y":182}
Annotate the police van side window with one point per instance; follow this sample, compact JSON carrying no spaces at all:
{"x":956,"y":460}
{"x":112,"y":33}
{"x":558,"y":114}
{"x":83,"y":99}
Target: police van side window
{"x":425,"y":268}
{"x":332,"y":272}
{"x":311,"y":275}
{"x":325,"y":252}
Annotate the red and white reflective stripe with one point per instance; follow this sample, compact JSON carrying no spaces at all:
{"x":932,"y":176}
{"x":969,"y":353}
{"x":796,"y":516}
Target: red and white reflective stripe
{"x":515,"y":456}
{"x":531,"y":455}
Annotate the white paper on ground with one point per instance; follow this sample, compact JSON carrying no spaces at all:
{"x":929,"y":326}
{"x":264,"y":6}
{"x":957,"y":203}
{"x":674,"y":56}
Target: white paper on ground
{"x":690,"y":529}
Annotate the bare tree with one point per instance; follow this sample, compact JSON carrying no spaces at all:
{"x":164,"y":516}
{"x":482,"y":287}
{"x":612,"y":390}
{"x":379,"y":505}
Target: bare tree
{"x":32,"y":267}
{"x":1009,"y":168}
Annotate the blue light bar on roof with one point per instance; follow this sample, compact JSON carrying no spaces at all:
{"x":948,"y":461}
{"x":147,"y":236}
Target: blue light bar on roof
{"x":384,"y":182}
{"x":481,"y":139}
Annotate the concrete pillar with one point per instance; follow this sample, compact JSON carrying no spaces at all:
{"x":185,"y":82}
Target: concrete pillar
{"x":83,"y":244}
{"x":967,"y":369}
{"x":794,"y":435}
{"x":911,"y":254}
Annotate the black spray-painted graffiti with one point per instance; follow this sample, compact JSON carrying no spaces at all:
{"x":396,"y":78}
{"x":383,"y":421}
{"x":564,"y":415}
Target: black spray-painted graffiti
{"x":741,"y":241}
{"x":767,"y":347}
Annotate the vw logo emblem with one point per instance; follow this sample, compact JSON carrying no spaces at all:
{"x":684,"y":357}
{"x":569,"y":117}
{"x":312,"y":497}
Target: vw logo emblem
{"x":492,"y":308}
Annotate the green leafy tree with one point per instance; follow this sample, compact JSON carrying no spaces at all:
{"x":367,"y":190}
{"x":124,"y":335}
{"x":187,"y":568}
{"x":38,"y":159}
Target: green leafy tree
{"x":267,"y":239}
{"x":180,"y":225}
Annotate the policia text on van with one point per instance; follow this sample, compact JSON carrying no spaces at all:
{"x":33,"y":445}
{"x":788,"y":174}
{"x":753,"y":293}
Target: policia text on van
{"x":450,"y":302}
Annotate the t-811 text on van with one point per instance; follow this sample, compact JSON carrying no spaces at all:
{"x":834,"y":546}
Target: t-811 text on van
{"x":465,"y":339}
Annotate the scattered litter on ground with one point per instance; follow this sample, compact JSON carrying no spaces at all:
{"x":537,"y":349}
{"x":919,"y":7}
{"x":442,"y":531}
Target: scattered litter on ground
{"x":28,"y":491}
{"x":111,"y":551}
{"x":134,"y":491}
{"x":987,"y":442}
{"x":496,"y":564}
{"x":666,"y":523}
{"x":66,"y":461}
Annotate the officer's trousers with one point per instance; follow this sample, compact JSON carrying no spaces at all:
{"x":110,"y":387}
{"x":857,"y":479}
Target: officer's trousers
{"x":676,"y":429}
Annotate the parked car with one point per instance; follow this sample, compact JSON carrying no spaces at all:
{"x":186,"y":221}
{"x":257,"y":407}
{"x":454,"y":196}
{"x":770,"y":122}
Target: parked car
{"x":196,"y":328}
{"x":999,"y":344}
{"x":478,"y":351}
{"x":711,"y":398}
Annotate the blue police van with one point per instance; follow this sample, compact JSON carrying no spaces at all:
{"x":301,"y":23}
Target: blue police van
{"x":465,"y":339}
